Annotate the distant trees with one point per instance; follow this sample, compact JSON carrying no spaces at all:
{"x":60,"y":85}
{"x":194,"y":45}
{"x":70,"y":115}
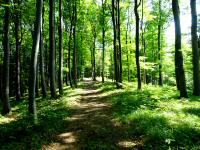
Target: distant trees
{"x":96,"y":39}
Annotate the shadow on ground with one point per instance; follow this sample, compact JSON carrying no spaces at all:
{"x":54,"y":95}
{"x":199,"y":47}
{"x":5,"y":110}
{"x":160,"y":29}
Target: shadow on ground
{"x":121,"y":119}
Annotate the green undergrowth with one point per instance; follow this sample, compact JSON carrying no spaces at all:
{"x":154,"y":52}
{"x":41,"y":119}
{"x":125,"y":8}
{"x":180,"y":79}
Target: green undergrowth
{"x":157,"y":116}
{"x":152,"y":118}
{"x":18,"y":132}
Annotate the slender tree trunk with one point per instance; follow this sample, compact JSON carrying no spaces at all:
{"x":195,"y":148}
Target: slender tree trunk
{"x":180,"y":73}
{"x":43,"y":81}
{"x":34,"y":58}
{"x":137,"y":43}
{"x":94,"y":56}
{"x":103,"y":40}
{"x":60,"y":77}
{"x":17,"y":45}
{"x":6,"y":62}
{"x":160,"y":82}
{"x":195,"y":51}
{"x":74,"y":48}
{"x":37,"y":80}
{"x":69,"y":56}
{"x":42,"y":72}
{"x":52,"y":57}
{"x":119,"y":41}
{"x":127,"y":55}
{"x":116,"y":47}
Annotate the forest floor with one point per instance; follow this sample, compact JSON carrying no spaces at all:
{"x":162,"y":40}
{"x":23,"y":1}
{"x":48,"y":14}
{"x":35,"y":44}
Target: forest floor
{"x":98,"y":116}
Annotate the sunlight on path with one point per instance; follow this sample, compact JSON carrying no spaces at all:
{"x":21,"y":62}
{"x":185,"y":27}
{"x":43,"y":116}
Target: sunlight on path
{"x":91,"y":125}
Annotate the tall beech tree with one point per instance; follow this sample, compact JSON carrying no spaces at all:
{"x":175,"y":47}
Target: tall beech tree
{"x":42,"y":69}
{"x":179,"y":69}
{"x":160,"y":80}
{"x":195,"y":50}
{"x":17,"y":46}
{"x":6,"y":62}
{"x":60,"y":74}
{"x":137,"y":42}
{"x":117,"y":42}
{"x":34,"y":58}
{"x":74,"y":46}
{"x":52,"y":53}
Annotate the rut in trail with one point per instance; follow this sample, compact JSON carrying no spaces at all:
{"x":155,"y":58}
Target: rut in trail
{"x":91,"y":124}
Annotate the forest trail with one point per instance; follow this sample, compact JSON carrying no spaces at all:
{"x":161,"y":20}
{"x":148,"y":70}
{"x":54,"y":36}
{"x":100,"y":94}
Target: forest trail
{"x":91,"y":124}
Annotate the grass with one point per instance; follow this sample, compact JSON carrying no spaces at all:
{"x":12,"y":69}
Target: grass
{"x":17,"y":131}
{"x":158,"y":116}
{"x":153,"y":118}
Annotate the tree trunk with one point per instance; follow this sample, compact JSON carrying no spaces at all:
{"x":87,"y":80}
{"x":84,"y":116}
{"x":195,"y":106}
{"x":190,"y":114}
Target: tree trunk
{"x":103,"y":40}
{"x":37,"y":80}
{"x":42,"y":72}
{"x":52,"y":57}
{"x":17,"y":45}
{"x":6,"y":62}
{"x":137,"y":44}
{"x":160,"y":82}
{"x":179,"y":69}
{"x":34,"y":59}
{"x":94,"y":56}
{"x":195,"y":51}
{"x":74,"y":48}
{"x":69,"y":55}
{"x":119,"y":42}
{"x":60,"y":76}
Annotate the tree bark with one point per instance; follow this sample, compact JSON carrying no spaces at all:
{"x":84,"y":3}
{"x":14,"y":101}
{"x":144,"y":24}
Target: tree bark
{"x":52,"y":57}
{"x":103,"y":40}
{"x":137,"y":43}
{"x":179,"y":69}
{"x":34,"y":59}
{"x":160,"y":81}
{"x":74,"y":48}
{"x":17,"y":45}
{"x":60,"y":77}
{"x":94,"y":55}
{"x":69,"y":55}
{"x":195,"y":51}
{"x":6,"y":62}
{"x":42,"y":72}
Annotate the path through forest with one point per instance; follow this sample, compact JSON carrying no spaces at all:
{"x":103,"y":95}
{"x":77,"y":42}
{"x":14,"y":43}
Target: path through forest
{"x":92,"y":125}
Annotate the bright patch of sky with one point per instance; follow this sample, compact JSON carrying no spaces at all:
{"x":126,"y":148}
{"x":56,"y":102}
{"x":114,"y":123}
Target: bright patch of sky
{"x":185,"y":18}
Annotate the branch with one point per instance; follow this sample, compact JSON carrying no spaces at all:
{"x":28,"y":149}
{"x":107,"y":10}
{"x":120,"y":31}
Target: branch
{"x":139,"y":4}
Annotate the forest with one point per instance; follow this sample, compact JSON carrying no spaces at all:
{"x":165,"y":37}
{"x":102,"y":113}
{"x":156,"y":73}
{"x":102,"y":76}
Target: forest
{"x":99,"y":74}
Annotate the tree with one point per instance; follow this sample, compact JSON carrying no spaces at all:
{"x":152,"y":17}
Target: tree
{"x":34,"y":58}
{"x":195,"y":51}
{"x":60,"y":77}
{"x":103,"y":40}
{"x":117,"y":42}
{"x":17,"y":45}
{"x":52,"y":53}
{"x":179,"y":70}
{"x":42,"y":71}
{"x":75,"y":46}
{"x":160,"y":82}
{"x":137,"y":42}
{"x":6,"y":62}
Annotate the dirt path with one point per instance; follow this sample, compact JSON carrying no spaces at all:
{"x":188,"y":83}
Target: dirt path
{"x":91,"y":125}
